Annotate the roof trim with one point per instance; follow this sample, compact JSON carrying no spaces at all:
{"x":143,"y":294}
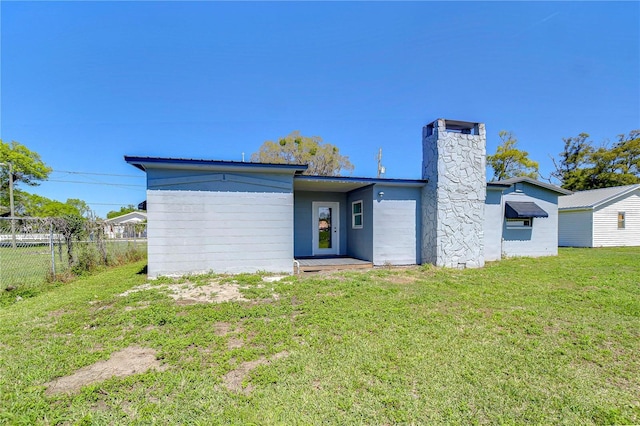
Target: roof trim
{"x":364,"y":180}
{"x":497,"y":185}
{"x":142,"y":163}
{"x":526,"y":179}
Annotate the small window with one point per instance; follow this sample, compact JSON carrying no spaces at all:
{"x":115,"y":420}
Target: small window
{"x":620,"y":220}
{"x":356,"y":214}
{"x":520,"y":223}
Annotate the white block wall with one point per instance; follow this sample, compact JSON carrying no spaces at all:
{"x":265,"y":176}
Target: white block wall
{"x":223,"y":232}
{"x":394,"y":232}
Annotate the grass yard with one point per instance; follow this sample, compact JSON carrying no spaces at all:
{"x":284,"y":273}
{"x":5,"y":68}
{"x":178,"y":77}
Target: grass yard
{"x":545,"y":341}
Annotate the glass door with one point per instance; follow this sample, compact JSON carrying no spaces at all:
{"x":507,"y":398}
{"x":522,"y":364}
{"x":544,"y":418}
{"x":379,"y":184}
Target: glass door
{"x":326,"y":228}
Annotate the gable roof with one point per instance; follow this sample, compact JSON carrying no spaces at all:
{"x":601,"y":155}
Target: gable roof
{"x":134,"y":216}
{"x":594,"y":197}
{"x":525,"y":179}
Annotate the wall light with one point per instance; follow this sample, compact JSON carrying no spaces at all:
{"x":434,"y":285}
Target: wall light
{"x":380,"y":194}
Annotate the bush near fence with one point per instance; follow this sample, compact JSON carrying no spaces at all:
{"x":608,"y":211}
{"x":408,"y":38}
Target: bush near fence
{"x":36,"y":250}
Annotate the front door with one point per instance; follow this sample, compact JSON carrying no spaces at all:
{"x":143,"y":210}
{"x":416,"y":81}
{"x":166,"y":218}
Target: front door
{"x":326,"y":228}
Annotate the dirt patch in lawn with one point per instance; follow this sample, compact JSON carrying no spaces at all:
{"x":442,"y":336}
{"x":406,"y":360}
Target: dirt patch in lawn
{"x":131,"y":360}
{"x":208,"y":293}
{"x":234,"y":378}
{"x":189,"y":293}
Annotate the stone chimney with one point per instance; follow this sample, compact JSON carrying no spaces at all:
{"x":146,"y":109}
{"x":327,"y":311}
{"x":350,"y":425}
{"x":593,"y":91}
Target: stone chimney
{"x":453,"y":162}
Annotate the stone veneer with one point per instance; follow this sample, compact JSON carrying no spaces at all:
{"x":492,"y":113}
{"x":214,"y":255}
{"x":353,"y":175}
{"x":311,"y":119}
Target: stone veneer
{"x":453,"y":199}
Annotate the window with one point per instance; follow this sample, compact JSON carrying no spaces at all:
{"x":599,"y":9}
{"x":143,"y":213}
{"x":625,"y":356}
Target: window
{"x":520,"y":223}
{"x":620,"y":220}
{"x":356,"y":214}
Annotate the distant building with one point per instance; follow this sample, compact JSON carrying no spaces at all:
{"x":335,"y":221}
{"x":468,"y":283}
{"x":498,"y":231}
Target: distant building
{"x":604,"y":217}
{"x":125,"y":226}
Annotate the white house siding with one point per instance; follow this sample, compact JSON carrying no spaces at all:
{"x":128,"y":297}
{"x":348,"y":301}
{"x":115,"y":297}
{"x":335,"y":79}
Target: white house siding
{"x":541,"y":239}
{"x":224,"y":232}
{"x":394,"y":232}
{"x":605,"y":223}
{"x":575,"y":228}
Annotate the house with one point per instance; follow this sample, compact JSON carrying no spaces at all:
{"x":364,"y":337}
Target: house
{"x":604,"y":217}
{"x":231,"y":217}
{"x":126,"y":225}
{"x":523,"y":217}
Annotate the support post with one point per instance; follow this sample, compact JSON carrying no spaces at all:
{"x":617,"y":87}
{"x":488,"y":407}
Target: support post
{"x":53,"y":251}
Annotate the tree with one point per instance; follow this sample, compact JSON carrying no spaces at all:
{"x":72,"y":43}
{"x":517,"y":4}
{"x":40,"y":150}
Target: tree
{"x":509,"y":161}
{"x":323,"y":159}
{"x":38,"y":206}
{"x":575,"y":158}
{"x":28,"y":167}
{"x":123,"y":210}
{"x":80,"y":205}
{"x":582,"y":166}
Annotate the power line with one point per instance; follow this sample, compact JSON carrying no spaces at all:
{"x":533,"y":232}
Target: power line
{"x":98,"y":174}
{"x":96,"y":183}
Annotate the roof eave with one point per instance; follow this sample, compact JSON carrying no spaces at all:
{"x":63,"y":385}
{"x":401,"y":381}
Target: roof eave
{"x":143,"y":164}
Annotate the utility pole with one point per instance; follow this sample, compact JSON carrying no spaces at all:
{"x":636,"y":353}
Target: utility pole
{"x":381,"y":169}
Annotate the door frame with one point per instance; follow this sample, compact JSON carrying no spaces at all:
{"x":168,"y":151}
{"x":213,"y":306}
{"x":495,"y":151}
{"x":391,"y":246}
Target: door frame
{"x":335,"y":224}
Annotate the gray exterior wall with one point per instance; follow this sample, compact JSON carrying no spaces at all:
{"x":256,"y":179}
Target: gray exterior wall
{"x":396,"y":225}
{"x":232,"y":223}
{"x":303,"y":220}
{"x":494,"y":214}
{"x":542,"y":238}
{"x":453,"y":199}
{"x":360,"y":241}
{"x":200,"y":180}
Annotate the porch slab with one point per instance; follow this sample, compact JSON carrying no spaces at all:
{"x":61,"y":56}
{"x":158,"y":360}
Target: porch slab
{"x":331,"y":263}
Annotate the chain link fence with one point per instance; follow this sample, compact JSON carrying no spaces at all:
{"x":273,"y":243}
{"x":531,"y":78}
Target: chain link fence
{"x":34,"y":250}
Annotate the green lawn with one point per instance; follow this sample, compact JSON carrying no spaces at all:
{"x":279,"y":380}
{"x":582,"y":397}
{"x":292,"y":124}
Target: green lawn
{"x":543,"y":341}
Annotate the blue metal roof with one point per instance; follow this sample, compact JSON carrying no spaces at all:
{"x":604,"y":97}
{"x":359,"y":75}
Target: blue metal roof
{"x":142,"y":163}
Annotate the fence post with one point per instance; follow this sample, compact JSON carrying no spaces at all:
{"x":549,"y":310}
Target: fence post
{"x":53,"y":251}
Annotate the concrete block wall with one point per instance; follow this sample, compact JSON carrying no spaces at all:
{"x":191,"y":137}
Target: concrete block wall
{"x":453,"y":199}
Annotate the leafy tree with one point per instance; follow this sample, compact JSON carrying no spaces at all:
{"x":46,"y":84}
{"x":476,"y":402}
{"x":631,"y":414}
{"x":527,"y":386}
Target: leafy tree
{"x":123,"y":210}
{"x":80,"y":205}
{"x":38,"y":206}
{"x":627,"y":151}
{"x":323,"y":159}
{"x":575,"y":159}
{"x":582,"y":166}
{"x":509,"y":161}
{"x":28,"y":168}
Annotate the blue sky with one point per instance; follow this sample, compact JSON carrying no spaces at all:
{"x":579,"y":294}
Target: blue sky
{"x":84,"y":83}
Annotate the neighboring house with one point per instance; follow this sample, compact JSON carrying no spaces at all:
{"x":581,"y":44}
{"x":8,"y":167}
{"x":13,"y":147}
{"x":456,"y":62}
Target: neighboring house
{"x":124,"y":226}
{"x":231,"y":217}
{"x":524,"y":217}
{"x":604,"y":217}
